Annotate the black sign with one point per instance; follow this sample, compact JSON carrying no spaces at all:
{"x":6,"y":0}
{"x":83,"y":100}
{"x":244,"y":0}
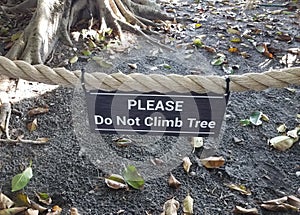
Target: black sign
{"x":154,"y":113}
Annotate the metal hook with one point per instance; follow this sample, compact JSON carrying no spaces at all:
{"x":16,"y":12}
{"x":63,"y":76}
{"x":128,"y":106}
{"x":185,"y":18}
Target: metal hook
{"x":227,"y":91}
{"x":82,"y":80}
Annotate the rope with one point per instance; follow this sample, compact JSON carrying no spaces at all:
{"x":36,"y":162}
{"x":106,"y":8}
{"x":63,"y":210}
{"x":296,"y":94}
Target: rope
{"x":153,"y":82}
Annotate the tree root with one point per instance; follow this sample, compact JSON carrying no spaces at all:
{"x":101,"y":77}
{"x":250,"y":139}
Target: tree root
{"x":53,"y":19}
{"x":5,"y":115}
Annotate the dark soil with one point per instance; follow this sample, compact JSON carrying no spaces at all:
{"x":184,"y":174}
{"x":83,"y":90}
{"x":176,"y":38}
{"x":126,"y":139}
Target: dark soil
{"x":71,"y":166}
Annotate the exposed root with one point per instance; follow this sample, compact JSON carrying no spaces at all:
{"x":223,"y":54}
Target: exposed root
{"x":5,"y":114}
{"x":20,"y":8}
{"x":20,"y":140}
{"x":53,"y":19}
{"x":5,"y":120}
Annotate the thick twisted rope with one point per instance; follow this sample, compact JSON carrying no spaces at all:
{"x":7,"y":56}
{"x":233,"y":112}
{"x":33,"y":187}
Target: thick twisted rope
{"x":153,"y":82}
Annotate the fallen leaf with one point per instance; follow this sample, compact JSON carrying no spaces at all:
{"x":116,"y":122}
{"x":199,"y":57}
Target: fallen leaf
{"x":38,"y":207}
{"x":31,"y":211}
{"x":188,"y":205}
{"x":170,"y":207}
{"x":236,"y":40}
{"x":132,"y":65}
{"x":74,"y":211}
{"x":32,"y":126}
{"x":278,"y":208}
{"x":245,"y":122}
{"x":213,"y":162}
{"x":293,"y":200}
{"x":44,"y":198}
{"x":56,"y":210}
{"x":281,"y":128}
{"x":187,"y":164}
{"x":19,"y":181}
{"x":282,"y":143}
{"x":264,"y":117}
{"x":241,"y":188}
{"x":233,"y":31}
{"x":173,"y":182}
{"x":220,"y":59}
{"x":22,"y":200}
{"x":276,"y":201}
{"x":12,"y":211}
{"x":198,"y":42}
{"x":233,"y":50}
{"x":102,"y":62}
{"x":237,"y":140}
{"x":241,"y":210}
{"x":123,"y":142}
{"x":133,"y":178}
{"x":255,"y":118}
{"x":86,"y":52}
{"x":38,"y":110}
{"x":73,"y":59}
{"x":5,"y":202}
{"x":115,"y":181}
{"x":294,"y":133}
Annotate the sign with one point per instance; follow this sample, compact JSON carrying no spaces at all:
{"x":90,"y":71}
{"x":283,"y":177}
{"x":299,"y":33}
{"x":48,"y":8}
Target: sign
{"x":154,"y":113}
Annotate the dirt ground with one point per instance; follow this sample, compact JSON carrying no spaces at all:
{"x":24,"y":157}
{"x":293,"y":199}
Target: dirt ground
{"x":71,"y":166}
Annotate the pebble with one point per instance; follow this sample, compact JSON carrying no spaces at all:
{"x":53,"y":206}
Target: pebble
{"x":298,"y":173}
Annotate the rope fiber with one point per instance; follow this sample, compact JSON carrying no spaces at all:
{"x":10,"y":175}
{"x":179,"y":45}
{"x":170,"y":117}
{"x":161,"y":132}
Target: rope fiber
{"x":152,"y":82}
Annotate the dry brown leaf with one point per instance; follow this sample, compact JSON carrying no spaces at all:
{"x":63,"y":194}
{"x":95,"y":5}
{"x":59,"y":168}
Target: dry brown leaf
{"x":173,"y":182}
{"x":37,"y":206}
{"x":5,"y":202}
{"x":282,"y":204}
{"x":278,"y":208}
{"x":241,"y":188}
{"x":56,"y":210}
{"x":187,"y":164}
{"x":188,"y":205}
{"x":213,"y":162}
{"x":38,"y":110}
{"x":293,"y":200}
{"x":31,"y":211}
{"x":170,"y":207}
{"x":12,"y":211}
{"x":74,"y":211}
{"x":32,"y":126}
{"x":241,"y":210}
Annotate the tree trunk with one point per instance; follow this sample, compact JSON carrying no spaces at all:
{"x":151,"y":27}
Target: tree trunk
{"x":53,"y":19}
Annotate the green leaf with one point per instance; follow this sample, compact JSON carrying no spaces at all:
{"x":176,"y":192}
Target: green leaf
{"x":167,"y":66}
{"x":255,"y":118}
{"x":260,"y":48}
{"x":219,"y":61}
{"x":19,"y":181}
{"x":44,"y":198}
{"x":245,"y":122}
{"x":73,"y":59}
{"x":133,"y":178}
{"x":197,"y":42}
{"x":86,"y":52}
